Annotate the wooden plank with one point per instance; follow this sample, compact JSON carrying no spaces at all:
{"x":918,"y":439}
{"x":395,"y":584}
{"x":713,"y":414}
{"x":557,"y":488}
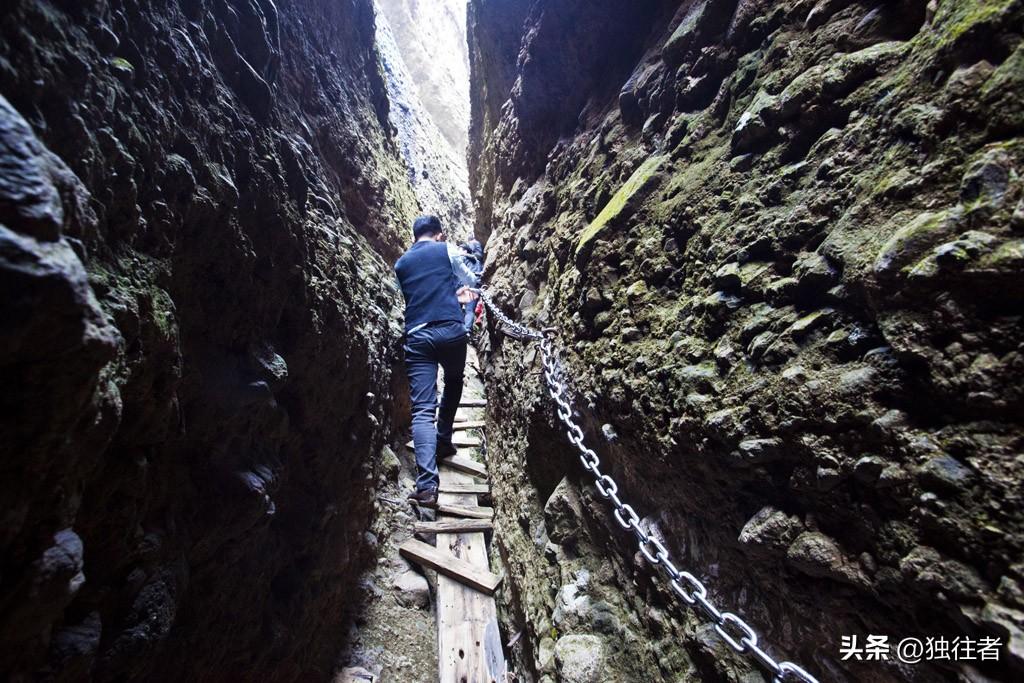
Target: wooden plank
{"x":453,"y":526}
{"x":458,"y":441}
{"x":470,"y":424}
{"x":465,"y":511}
{"x":473,"y":403}
{"x":463,"y":488}
{"x":450,"y":566}
{"x":464,"y":465}
{"x":468,"y":641}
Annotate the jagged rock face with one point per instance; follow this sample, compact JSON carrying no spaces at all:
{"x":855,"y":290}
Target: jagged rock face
{"x":436,"y":171}
{"x":494,"y":31}
{"x":432,"y":36}
{"x":199,"y":333}
{"x":782,"y":244}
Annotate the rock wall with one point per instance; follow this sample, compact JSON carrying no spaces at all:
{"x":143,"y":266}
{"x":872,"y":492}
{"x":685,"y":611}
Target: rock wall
{"x":199,"y":201}
{"x":436,"y":171}
{"x":783,"y":246}
{"x":432,"y":36}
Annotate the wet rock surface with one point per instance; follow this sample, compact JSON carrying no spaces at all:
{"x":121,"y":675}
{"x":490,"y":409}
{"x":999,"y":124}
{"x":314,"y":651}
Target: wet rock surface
{"x":198,"y":204}
{"x":781,"y":245}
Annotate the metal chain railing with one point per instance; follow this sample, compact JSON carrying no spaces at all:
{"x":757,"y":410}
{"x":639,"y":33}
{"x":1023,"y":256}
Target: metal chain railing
{"x":736,"y":632}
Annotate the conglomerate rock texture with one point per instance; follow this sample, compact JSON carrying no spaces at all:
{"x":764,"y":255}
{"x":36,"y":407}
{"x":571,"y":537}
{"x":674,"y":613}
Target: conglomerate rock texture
{"x":783,"y":247}
{"x":198,"y":204}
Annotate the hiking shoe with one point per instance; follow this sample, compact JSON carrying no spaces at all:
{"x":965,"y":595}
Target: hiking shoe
{"x":426,"y":498}
{"x":445,"y":449}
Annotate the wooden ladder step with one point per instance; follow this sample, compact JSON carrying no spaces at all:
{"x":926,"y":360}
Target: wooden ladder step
{"x":453,"y":526}
{"x":473,"y":403}
{"x":449,"y":565}
{"x":463,"y":488}
{"x":457,"y":441}
{"x":464,"y":465}
{"x":464,"y":511}
{"x":470,"y":424}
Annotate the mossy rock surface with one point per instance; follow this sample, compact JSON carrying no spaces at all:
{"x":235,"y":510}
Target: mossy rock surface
{"x":814,"y":293}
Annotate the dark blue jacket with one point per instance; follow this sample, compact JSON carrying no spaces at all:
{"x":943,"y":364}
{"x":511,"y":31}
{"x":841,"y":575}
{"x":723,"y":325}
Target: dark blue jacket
{"x":428,"y":284}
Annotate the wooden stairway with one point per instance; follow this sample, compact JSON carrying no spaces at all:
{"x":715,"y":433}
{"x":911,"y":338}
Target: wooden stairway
{"x":468,"y":640}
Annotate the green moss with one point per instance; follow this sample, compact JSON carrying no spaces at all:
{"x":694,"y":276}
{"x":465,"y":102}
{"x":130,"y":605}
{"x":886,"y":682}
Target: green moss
{"x":838,"y":76}
{"x":1007,"y":77}
{"x":887,"y":173}
{"x":122,"y":64}
{"x":962,"y":16}
{"x":679,"y":190}
{"x":637,"y":290}
{"x":1009,"y":257}
{"x":751,"y":271}
{"x":928,"y":267}
{"x":685,"y":33}
{"x":891,"y":183}
{"x":809,"y":322}
{"x":130,"y":281}
{"x":920,"y":234}
{"x":163,"y":312}
{"x":636,"y":182}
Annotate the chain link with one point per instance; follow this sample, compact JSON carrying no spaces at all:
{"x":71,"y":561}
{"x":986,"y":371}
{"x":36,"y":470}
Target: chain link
{"x":695,"y":594}
{"x":521,"y":332}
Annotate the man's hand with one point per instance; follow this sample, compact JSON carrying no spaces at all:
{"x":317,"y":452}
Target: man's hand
{"x":465,"y":295}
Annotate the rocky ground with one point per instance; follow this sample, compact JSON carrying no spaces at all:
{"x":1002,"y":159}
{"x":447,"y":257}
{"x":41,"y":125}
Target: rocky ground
{"x":394,"y":636}
{"x":782,"y":246}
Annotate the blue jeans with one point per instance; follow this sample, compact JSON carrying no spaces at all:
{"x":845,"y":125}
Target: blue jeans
{"x":469,"y":317}
{"x":442,"y":344}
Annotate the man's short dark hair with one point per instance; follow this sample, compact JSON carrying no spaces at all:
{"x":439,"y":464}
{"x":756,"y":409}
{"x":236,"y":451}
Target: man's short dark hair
{"x":426,"y":225}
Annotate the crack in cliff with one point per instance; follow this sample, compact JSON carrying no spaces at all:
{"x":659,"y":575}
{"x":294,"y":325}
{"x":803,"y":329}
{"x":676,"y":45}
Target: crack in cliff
{"x":781,"y":241}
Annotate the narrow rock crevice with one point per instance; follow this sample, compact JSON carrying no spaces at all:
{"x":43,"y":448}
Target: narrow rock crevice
{"x":428,"y":105}
{"x":780,"y":244}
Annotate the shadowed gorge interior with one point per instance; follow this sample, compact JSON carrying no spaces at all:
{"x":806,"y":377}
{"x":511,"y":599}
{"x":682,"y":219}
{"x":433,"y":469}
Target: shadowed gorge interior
{"x":780,"y":247}
{"x":200,"y":333}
